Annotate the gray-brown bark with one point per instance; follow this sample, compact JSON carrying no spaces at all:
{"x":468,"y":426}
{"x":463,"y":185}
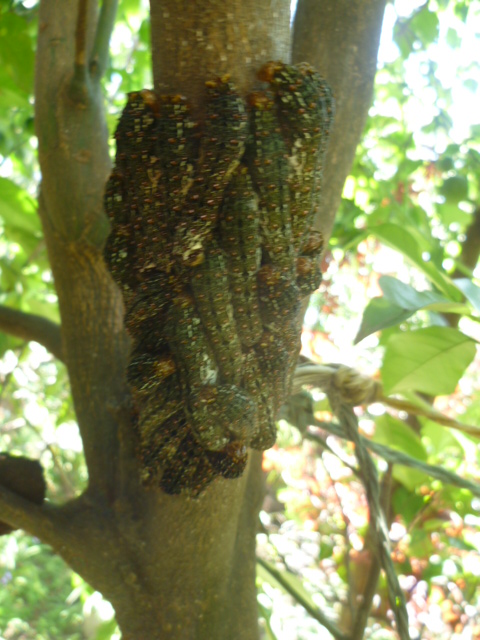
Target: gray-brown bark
{"x":341,"y":40}
{"x":172,"y":566}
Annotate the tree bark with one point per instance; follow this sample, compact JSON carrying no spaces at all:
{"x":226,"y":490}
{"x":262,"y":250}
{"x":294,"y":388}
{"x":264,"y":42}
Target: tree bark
{"x":193,"y":42}
{"x":172,"y":566}
{"x":340,"y":38}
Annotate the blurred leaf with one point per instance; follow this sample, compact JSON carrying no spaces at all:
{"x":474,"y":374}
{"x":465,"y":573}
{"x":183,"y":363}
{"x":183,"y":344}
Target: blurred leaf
{"x":379,"y":314}
{"x":450,"y":213}
{"x":400,"y":301}
{"x":266,"y":615}
{"x":453,"y":39}
{"x":18,"y":209}
{"x":16,"y":51}
{"x":403,"y":240}
{"x":399,"y":436}
{"x":406,"y":296}
{"x":454,"y":189}
{"x":396,"y":434}
{"x":445,"y":163}
{"x":407,"y":504}
{"x":428,"y":360}
{"x":470,"y":291}
{"x":425,"y":24}
{"x":106,"y":630}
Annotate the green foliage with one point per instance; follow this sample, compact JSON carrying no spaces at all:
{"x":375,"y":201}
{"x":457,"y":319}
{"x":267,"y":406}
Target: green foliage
{"x":401,"y":265}
{"x":36,"y":595}
{"x":430,"y":360}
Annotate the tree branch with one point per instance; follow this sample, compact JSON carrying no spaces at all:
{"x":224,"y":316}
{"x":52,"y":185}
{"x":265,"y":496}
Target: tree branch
{"x":73,"y":155}
{"x":106,"y":21}
{"x":79,"y":86}
{"x":340,"y":38}
{"x":29,"y":326}
{"x":19,"y":513}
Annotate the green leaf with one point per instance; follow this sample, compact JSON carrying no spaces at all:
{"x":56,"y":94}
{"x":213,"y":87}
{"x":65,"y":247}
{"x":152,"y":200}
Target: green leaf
{"x":379,"y":314}
{"x":425,"y":25}
{"x":18,"y":209}
{"x":403,"y":240}
{"x":16,"y":51}
{"x":397,"y":435}
{"x":428,"y":360}
{"x":450,"y":213}
{"x":266,"y":615}
{"x":407,"y":504}
{"x":399,"y":303}
{"x":454,"y":189}
{"x":409,"y":299}
{"x":406,"y":296}
{"x":469,"y":290}
{"x":453,"y":39}
{"x":106,"y":630}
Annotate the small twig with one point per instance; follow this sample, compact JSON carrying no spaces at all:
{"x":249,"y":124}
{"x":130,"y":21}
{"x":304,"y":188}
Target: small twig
{"x":431,"y":414}
{"x":81,"y":36}
{"x":379,"y":529}
{"x":79,"y":85}
{"x":29,"y":326}
{"x":317,"y":614}
{"x":347,"y":523}
{"x":67,"y":485}
{"x":323,"y":443}
{"x":106,"y":21}
{"x":398,"y":457}
{"x":363,"y":611}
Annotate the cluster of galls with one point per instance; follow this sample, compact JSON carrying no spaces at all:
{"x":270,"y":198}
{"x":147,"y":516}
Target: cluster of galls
{"x":212,"y":248}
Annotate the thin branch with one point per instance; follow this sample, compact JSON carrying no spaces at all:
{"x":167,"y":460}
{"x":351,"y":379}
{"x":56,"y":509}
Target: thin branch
{"x":317,"y":614}
{"x":397,"y":457}
{"x":378,"y":524}
{"x":81,"y":36}
{"x":79,"y":86}
{"x":68,"y":488}
{"x":37,"y":520}
{"x":363,"y":611}
{"x":106,"y":21}
{"x":324,"y":444}
{"x":29,"y":326}
{"x":431,"y":413}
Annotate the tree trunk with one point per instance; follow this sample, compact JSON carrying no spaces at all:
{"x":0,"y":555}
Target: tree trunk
{"x":172,"y":566}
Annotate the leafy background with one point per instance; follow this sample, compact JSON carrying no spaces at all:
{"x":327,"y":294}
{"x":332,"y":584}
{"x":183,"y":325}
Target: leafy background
{"x":400,"y":302}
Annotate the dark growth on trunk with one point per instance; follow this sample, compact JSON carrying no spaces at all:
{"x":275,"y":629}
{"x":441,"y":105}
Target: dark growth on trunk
{"x":211,"y":245}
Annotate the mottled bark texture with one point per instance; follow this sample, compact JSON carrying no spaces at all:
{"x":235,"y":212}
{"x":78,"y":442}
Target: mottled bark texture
{"x":340,"y":39}
{"x":172,"y":566}
{"x":217,"y":38}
